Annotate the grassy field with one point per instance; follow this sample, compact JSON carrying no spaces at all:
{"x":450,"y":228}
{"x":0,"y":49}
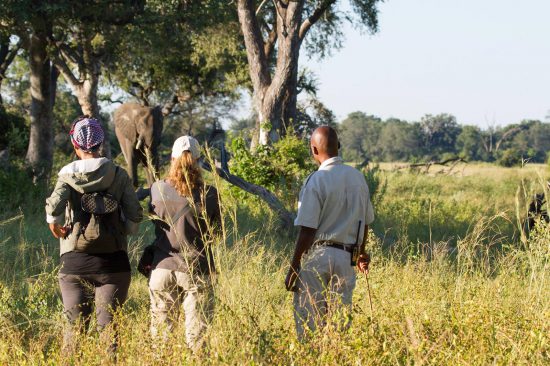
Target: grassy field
{"x":453,"y":283}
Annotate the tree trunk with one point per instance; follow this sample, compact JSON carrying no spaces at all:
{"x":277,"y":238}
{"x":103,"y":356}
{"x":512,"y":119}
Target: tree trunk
{"x":40,"y":151}
{"x":270,"y":91}
{"x":86,"y":93}
{"x":54,"y":76}
{"x":290,"y":109}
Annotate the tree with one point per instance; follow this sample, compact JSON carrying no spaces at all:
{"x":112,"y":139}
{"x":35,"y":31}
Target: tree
{"x":311,"y":114}
{"x":469,"y":143}
{"x":188,"y":49}
{"x":273,"y":35}
{"x":30,"y":21}
{"x":398,"y":141}
{"x":359,"y":136}
{"x":85,"y":35}
{"x":440,"y":133}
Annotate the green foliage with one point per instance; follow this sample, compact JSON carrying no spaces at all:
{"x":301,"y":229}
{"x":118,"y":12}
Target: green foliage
{"x":368,"y":138}
{"x":509,"y":158}
{"x":377,"y":184}
{"x":439,"y":133}
{"x":279,"y":168}
{"x":191,"y":49}
{"x":14,"y":133}
{"x":17,"y":189}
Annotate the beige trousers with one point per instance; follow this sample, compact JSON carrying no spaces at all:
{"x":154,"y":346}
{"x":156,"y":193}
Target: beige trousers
{"x":325,"y":287}
{"x":169,"y":290}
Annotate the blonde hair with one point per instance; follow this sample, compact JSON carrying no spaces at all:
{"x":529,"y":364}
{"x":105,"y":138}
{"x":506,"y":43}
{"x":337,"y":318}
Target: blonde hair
{"x":185,"y":175}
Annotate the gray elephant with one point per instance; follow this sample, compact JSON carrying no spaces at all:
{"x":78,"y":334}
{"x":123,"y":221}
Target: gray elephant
{"x":138,"y":130}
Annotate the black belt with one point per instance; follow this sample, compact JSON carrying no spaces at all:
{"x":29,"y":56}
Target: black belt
{"x":348,"y":248}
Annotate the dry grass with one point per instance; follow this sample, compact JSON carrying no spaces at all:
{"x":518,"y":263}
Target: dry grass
{"x":451,"y":282}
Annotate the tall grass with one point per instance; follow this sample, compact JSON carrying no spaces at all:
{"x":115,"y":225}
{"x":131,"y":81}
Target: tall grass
{"x":451,"y":283}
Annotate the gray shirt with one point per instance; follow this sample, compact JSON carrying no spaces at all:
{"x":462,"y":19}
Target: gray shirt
{"x":334,"y":200}
{"x":180,"y":241}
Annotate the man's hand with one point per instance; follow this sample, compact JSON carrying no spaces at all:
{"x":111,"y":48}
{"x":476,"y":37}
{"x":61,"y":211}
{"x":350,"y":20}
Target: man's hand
{"x":363,"y":263}
{"x":292,"y":278}
{"x":58,"y":231}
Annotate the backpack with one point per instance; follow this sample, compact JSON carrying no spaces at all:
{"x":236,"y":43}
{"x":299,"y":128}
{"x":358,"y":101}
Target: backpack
{"x":97,"y":223}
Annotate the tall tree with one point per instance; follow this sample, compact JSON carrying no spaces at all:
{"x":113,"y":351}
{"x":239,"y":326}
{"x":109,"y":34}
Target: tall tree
{"x":440,"y":133}
{"x":188,"y":49}
{"x":30,"y":21}
{"x":86,"y":34}
{"x":276,"y":31}
{"x":359,"y":134}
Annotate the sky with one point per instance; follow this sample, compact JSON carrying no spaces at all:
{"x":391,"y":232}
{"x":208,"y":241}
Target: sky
{"x":487,"y":62}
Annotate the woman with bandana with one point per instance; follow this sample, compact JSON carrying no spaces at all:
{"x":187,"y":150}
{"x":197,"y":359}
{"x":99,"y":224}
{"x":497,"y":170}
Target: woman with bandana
{"x":92,"y":271}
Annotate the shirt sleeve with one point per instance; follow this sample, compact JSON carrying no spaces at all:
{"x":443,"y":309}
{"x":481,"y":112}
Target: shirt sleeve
{"x":309,"y":208}
{"x":57,"y":202}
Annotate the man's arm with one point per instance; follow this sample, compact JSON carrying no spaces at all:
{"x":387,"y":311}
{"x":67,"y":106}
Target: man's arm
{"x":364,"y":259}
{"x":303,"y":243}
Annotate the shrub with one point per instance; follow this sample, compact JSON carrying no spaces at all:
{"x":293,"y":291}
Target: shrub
{"x":281,"y":166}
{"x":14,"y":134}
{"x":509,"y":158}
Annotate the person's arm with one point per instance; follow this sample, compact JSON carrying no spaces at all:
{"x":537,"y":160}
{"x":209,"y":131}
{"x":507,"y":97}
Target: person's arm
{"x":304,"y":241}
{"x":55,"y":208}
{"x":364,"y":258}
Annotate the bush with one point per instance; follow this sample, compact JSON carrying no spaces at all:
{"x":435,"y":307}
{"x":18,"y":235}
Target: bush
{"x":14,"y":133}
{"x":510,"y":158}
{"x":377,"y":184}
{"x":282,"y":166}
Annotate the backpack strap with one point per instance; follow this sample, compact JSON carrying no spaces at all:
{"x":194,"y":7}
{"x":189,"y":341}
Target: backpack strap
{"x":178,"y":215}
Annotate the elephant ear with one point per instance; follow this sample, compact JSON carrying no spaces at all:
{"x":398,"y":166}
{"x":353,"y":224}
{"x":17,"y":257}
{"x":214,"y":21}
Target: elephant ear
{"x":125,"y":118}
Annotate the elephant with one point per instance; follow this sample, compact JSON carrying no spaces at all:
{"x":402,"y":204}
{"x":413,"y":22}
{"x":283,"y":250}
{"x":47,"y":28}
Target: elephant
{"x":138,"y":130}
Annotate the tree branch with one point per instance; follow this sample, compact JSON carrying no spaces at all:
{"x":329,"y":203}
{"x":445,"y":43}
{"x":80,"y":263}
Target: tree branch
{"x":314,"y":17}
{"x":271,"y":39}
{"x":7,"y":57}
{"x":65,"y":70}
{"x":268,"y":197}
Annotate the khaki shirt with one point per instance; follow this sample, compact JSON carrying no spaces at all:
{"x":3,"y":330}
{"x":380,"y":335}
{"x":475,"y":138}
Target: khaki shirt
{"x":334,"y":200}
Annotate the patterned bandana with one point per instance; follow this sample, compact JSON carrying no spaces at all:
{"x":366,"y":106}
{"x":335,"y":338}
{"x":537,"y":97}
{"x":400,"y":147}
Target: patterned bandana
{"x":86,"y":133}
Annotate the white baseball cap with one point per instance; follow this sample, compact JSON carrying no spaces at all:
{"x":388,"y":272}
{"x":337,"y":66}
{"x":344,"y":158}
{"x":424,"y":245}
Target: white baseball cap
{"x":186,"y":143}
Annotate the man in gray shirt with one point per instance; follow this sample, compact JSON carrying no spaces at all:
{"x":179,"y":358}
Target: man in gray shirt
{"x":334,"y":211}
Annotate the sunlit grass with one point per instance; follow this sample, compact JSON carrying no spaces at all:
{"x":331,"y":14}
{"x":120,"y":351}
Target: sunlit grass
{"x":451,"y":284}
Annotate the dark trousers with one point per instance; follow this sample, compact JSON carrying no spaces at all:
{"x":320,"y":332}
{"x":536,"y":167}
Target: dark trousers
{"x":79,"y":292}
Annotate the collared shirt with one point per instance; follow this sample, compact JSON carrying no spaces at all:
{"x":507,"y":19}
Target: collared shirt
{"x":335,"y":200}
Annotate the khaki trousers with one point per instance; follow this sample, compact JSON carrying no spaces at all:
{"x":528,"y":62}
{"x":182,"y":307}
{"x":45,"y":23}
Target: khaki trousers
{"x":169,"y":290}
{"x":325,"y":287}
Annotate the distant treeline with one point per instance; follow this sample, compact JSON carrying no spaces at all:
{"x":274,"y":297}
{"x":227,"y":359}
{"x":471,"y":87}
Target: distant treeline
{"x":369,"y":138}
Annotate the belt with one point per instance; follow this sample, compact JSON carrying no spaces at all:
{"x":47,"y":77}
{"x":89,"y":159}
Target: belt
{"x":346,"y":247}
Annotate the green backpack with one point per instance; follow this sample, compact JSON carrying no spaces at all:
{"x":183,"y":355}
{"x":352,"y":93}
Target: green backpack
{"x":98,"y":224}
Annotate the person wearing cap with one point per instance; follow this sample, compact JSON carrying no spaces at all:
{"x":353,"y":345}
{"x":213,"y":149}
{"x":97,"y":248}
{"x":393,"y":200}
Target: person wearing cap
{"x":87,"y":276}
{"x":334,"y":211}
{"x":187,"y":215}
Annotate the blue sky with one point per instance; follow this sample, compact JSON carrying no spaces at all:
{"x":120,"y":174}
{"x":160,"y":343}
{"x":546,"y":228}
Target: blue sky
{"x":486,"y":62}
